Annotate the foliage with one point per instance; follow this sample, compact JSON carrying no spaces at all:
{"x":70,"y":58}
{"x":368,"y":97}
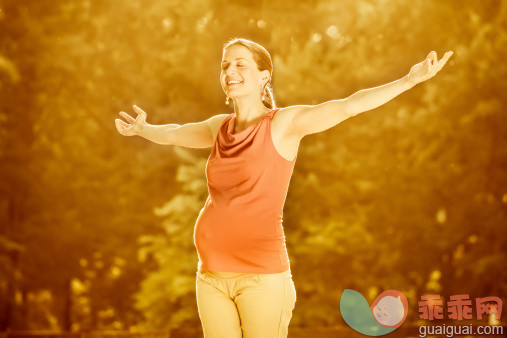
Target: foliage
{"x":96,"y":229}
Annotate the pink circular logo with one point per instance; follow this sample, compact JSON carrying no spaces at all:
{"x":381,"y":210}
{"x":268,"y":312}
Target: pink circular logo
{"x":390,"y":308}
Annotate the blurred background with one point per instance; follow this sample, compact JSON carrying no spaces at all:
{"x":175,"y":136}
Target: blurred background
{"x":96,"y":228}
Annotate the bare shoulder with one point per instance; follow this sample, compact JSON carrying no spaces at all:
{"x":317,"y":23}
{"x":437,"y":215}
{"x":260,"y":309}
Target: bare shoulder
{"x":286,"y":113}
{"x":282,"y":120}
{"x":286,"y":142}
{"x":215,"y":122}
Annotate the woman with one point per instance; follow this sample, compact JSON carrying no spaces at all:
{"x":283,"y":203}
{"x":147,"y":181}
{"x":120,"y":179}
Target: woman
{"x":244,"y":285}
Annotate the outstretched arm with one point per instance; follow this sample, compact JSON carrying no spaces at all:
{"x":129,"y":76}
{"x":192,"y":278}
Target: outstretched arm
{"x":312,"y":119}
{"x":191,"y":135}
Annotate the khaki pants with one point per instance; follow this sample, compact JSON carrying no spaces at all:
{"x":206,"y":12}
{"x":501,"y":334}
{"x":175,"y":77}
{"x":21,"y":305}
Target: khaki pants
{"x":250,"y":305}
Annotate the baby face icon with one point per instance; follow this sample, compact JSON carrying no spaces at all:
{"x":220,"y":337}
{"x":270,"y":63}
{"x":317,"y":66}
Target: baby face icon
{"x":390,"y":308}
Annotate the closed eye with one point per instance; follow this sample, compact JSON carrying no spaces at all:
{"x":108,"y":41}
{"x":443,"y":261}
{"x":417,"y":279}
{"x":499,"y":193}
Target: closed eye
{"x":238,"y":66}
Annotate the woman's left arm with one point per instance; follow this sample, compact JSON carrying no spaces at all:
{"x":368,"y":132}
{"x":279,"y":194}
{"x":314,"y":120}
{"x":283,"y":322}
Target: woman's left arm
{"x":312,"y":119}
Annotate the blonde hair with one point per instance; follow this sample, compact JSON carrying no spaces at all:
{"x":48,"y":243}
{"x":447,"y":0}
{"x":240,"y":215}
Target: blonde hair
{"x":263,"y":60}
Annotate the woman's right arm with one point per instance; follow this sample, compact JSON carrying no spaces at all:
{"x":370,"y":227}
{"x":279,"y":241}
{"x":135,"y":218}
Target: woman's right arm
{"x":191,"y":135}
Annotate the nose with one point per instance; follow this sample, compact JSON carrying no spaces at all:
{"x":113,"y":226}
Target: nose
{"x":230,"y":70}
{"x":230,"y":74}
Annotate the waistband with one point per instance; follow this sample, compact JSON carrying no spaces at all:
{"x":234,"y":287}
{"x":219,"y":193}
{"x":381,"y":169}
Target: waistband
{"x":228,"y":275}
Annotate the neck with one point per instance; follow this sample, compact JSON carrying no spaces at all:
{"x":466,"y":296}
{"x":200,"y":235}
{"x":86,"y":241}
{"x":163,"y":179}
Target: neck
{"x":248,"y":111}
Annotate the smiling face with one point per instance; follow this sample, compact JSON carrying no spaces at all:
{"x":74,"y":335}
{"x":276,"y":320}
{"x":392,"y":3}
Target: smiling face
{"x":238,"y":65}
{"x":389,"y":311}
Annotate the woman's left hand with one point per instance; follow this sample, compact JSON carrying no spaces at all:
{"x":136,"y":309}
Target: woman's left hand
{"x":427,"y":69}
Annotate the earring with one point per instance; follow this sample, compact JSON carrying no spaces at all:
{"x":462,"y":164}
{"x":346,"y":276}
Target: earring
{"x":227,"y":100}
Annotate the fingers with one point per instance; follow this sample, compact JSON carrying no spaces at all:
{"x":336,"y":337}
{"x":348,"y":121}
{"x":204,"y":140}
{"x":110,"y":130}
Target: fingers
{"x":127,"y":117}
{"x":138,"y":110}
{"x":125,"y":128}
{"x":443,"y":60}
{"x":433,"y":63}
{"x":120,"y":125}
{"x":429,"y":67}
{"x":446,"y":57}
{"x":428,"y":63}
{"x":433,"y":56}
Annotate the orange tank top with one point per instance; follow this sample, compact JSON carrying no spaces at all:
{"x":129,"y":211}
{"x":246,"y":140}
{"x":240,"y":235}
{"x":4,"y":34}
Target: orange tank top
{"x":239,"y":229}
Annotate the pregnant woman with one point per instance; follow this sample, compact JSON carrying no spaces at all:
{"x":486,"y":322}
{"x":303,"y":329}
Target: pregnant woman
{"x":244,"y":285}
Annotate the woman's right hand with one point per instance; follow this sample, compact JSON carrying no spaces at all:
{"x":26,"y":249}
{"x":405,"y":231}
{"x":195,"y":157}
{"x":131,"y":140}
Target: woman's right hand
{"x":132,"y":128}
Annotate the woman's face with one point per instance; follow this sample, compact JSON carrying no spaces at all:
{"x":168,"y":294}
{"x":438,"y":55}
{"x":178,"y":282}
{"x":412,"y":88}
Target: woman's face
{"x":239,"y":65}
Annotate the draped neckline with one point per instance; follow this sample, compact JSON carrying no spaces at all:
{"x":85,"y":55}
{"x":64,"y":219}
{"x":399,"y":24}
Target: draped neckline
{"x":232,"y":124}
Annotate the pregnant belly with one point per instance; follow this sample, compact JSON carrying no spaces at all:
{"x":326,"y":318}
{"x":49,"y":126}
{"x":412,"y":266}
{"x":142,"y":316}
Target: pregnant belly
{"x":223,"y":231}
